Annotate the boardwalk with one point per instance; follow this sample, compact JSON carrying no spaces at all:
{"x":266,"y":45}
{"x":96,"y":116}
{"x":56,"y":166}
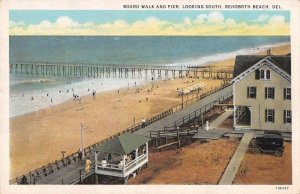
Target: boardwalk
{"x":67,"y":175}
{"x":70,"y":174}
{"x":214,"y":124}
{"x":160,"y":124}
{"x":236,"y":160}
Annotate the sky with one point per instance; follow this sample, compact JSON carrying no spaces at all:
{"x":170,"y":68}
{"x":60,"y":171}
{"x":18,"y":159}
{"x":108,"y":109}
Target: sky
{"x":149,"y":23}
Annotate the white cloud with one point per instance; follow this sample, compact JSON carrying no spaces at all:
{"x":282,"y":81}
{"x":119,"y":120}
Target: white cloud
{"x":187,"y":21}
{"x":65,"y":21}
{"x":16,"y":24}
{"x":276,"y":20}
{"x":200,"y":19}
{"x":213,"y":23}
{"x":215,"y":17}
{"x":231,"y":23}
{"x":262,"y":18}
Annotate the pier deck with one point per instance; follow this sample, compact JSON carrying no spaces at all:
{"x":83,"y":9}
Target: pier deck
{"x":115,"y":71}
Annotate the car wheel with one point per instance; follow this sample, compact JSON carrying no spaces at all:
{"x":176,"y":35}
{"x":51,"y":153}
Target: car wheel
{"x":256,"y":151}
{"x":278,"y":153}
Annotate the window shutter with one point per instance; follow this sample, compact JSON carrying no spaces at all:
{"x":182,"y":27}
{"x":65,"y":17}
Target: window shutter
{"x":266,"y":115}
{"x":291,"y":117}
{"x":273,"y":119}
{"x":257,"y":74}
{"x":248,"y":93}
{"x":284,"y":92}
{"x":273,"y":93}
{"x":284,"y":116}
{"x":266,"y":93}
{"x":255,"y":92}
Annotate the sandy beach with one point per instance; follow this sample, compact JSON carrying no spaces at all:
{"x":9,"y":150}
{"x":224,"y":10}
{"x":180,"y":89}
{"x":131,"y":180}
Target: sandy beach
{"x":38,"y":138}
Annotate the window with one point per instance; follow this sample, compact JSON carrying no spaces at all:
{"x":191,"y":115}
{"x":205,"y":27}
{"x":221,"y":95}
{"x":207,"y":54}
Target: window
{"x":287,"y":94}
{"x":269,"y":93}
{"x":262,"y":74}
{"x":257,"y":74}
{"x":251,"y":92}
{"x":268,"y":74}
{"x":270,"y":115}
{"x":287,"y":116}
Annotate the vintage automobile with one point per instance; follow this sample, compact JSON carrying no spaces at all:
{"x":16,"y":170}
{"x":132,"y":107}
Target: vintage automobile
{"x":271,"y":142}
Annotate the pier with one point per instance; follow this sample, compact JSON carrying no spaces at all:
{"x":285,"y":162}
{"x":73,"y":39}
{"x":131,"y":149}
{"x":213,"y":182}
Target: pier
{"x":115,"y":71}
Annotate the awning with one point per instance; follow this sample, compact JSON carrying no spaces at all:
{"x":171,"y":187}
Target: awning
{"x":123,"y":144}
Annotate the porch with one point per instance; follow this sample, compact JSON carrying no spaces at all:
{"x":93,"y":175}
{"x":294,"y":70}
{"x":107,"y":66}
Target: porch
{"x":122,"y":156}
{"x":242,"y":117}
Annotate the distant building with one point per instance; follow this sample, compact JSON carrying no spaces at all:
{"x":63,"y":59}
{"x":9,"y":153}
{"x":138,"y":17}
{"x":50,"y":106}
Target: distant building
{"x":262,"y":92}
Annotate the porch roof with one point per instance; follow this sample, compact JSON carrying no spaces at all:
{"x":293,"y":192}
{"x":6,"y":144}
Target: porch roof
{"x":123,"y":144}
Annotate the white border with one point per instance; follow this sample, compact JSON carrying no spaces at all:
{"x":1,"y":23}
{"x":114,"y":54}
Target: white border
{"x":292,"y":5}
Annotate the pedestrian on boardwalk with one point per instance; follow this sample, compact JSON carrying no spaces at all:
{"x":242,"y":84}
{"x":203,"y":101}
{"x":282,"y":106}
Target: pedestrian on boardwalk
{"x":109,"y":158}
{"x":24,"y":181}
{"x":88,"y":165}
{"x":79,"y":154}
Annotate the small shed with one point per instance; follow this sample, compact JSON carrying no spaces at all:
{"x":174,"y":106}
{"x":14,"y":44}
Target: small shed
{"x":122,"y":156}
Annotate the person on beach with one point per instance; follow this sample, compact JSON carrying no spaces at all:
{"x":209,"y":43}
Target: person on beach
{"x":32,"y":98}
{"x":118,"y":91}
{"x":47,"y":93}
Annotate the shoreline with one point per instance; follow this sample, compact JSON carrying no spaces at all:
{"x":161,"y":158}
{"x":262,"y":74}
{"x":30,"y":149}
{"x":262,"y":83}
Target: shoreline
{"x":24,"y":106}
{"x":37,"y":138}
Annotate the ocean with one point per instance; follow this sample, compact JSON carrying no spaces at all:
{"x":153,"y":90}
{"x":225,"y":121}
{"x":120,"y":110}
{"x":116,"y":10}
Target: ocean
{"x":106,"y":50}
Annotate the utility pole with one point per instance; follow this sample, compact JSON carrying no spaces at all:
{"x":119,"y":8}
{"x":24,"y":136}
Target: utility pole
{"x":202,"y":119}
{"x":81,"y":140}
{"x":181,"y":98}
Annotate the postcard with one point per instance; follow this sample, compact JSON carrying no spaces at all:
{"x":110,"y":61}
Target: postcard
{"x":144,"y":97}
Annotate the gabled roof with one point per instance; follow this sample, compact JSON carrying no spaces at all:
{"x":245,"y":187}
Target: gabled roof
{"x":244,"y":62}
{"x":123,"y":144}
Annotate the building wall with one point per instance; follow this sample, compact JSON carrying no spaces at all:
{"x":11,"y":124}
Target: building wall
{"x":259,"y":104}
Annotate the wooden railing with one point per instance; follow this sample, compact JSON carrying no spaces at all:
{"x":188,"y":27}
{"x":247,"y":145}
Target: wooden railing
{"x":197,"y":113}
{"x":122,"y":168}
